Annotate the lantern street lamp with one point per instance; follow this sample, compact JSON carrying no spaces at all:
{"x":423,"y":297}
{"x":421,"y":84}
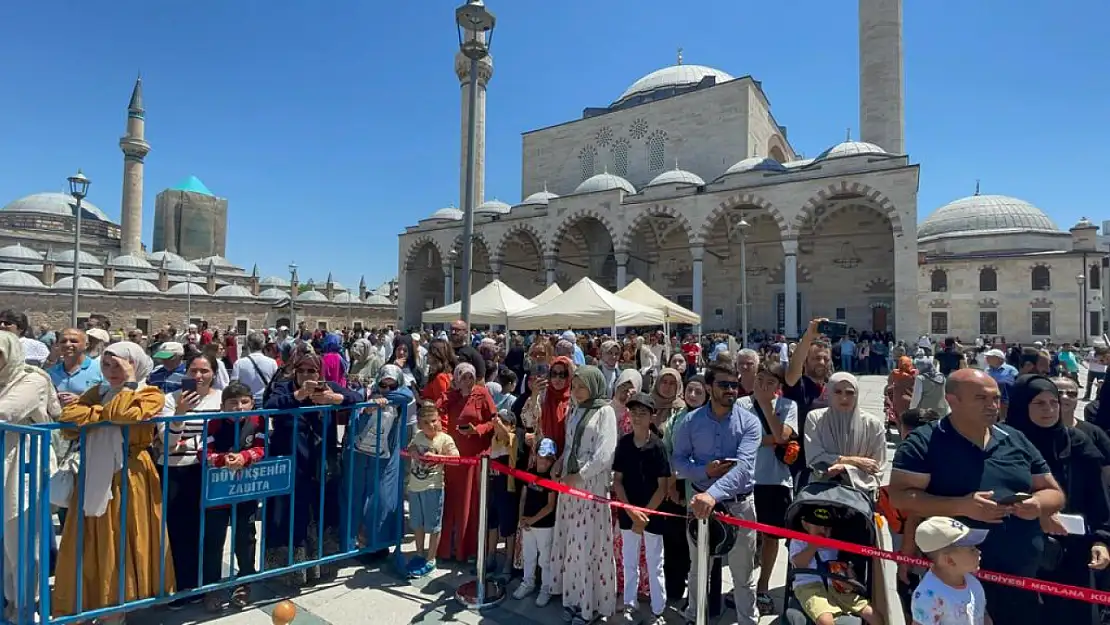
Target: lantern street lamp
{"x":1081,"y":280}
{"x":78,"y":188}
{"x":474,"y":23}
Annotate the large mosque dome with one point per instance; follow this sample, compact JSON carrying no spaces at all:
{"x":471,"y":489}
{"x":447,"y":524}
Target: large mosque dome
{"x":58,"y":204}
{"x":986,"y":214}
{"x":675,"y":76}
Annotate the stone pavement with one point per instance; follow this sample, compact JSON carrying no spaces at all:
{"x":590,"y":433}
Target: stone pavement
{"x":376,"y":595}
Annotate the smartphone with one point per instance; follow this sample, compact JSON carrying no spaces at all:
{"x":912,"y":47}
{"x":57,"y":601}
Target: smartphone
{"x":189,"y":384}
{"x":541,"y":369}
{"x":311,"y":385}
{"x":832,"y":329}
{"x":465,"y":427}
{"x":1011,"y":499}
{"x":730,"y":460}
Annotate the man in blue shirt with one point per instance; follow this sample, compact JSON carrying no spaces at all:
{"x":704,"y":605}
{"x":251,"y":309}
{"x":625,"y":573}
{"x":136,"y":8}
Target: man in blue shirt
{"x":74,"y":373}
{"x":168,"y":374}
{"x":714,"y":449}
{"x":1003,"y":374}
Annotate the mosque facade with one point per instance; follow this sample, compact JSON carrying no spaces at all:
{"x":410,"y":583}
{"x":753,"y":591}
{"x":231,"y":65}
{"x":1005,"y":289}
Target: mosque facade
{"x":664,"y":184}
{"x":186,"y":279}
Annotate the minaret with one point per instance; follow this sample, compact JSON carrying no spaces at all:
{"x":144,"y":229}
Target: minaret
{"x":135,"y":148}
{"x":485,"y":72}
{"x":881,"y":99}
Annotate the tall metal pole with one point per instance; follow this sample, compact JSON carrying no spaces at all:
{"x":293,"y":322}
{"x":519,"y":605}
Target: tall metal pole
{"x":188,"y":298}
{"x":76,"y":267}
{"x":744,"y":289}
{"x":468,"y":205}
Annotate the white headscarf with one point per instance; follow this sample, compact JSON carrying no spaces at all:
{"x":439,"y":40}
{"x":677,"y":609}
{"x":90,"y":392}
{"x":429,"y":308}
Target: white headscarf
{"x":831,"y":433}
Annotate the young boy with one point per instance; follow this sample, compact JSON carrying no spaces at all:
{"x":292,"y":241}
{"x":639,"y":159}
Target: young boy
{"x":821,"y":603}
{"x":425,"y":487}
{"x":224,"y":449}
{"x":949,"y":594}
{"x":641,"y":473}
{"x":537,"y":523}
{"x":503,"y":506}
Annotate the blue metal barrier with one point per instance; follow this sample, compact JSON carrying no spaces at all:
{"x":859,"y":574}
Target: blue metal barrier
{"x":354,"y":493}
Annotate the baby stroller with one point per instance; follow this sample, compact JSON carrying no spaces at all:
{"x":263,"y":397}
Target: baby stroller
{"x":853,"y":520}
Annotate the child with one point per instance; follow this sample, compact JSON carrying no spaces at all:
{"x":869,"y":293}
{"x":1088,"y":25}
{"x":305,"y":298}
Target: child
{"x":425,"y":487}
{"x":949,"y":594}
{"x":641,"y":475}
{"x":503,"y":507}
{"x":821,"y":603}
{"x":224,"y":449}
{"x":537,"y":522}
{"x":506,"y":398}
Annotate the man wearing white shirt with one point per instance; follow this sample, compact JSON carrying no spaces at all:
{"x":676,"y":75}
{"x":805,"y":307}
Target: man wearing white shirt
{"x":255,"y":369}
{"x":1096,"y":371}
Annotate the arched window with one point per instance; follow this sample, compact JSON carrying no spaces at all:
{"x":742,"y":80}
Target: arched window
{"x":657,"y":151}
{"x":586,"y":158}
{"x":620,"y":156}
{"x":1094,"y":279}
{"x":938,"y":281}
{"x":988,"y":279}
{"x":1041,"y":278}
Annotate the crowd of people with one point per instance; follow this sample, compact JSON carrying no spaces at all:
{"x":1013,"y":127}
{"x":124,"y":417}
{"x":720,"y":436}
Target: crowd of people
{"x":994,"y":466}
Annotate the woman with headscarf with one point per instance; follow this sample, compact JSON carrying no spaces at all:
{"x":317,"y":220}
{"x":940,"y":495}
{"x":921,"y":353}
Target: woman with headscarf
{"x":609,"y":365}
{"x":333,"y":364}
{"x":1077,"y":465}
{"x":315,"y":441}
{"x":124,"y":398}
{"x":546,"y":411}
{"x":628,"y":384}
{"x":928,"y":386}
{"x":366,"y":362}
{"x":582,"y":550}
{"x":844,"y":437}
{"x":669,"y":401}
{"x":469,"y":412}
{"x":27,"y":397}
{"x":899,"y":387}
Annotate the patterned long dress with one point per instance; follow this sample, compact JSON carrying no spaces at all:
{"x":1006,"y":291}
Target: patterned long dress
{"x":624,"y":426}
{"x":583,"y":542}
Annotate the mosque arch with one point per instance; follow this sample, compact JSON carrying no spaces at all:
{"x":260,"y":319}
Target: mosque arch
{"x":420,"y":244}
{"x":520,"y":252}
{"x":760,"y":256}
{"x":656,"y":245}
{"x":424,"y":278}
{"x":583,"y":245}
{"x":826,"y":199}
{"x":744,"y":201}
{"x":481,"y":267}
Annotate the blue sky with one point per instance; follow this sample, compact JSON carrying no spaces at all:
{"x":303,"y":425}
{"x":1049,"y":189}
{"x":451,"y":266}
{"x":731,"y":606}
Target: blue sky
{"x":330,"y":126}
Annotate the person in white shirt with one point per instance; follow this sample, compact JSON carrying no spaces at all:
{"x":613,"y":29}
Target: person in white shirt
{"x":1096,"y":371}
{"x":255,"y":369}
{"x":949,"y":594}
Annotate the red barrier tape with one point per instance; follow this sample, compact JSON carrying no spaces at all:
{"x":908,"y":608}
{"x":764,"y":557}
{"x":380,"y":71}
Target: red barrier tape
{"x":1026,"y":583}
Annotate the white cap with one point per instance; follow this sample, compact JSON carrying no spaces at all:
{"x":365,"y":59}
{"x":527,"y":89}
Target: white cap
{"x":938,"y":532}
{"x":995,"y":353}
{"x":1038,"y":344}
{"x":99,"y":334}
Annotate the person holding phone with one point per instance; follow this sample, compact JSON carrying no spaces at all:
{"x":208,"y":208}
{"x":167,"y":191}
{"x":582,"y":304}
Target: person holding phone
{"x":546,"y":410}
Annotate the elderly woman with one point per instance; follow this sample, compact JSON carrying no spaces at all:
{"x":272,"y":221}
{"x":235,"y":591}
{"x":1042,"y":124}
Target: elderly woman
{"x":844,"y":437}
{"x":316,"y":447}
{"x":26,"y":396}
{"x":365,"y":364}
{"x":123,"y":401}
{"x":582,"y":550}
{"x":469,"y":412}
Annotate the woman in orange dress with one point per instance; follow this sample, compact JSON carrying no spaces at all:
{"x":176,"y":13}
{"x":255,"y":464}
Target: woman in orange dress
{"x":441,"y":362}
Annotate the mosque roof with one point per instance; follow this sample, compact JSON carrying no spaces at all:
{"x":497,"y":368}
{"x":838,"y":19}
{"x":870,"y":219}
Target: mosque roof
{"x":850,"y":148}
{"x":20,"y":279}
{"x":982,"y":214}
{"x":311,"y":296}
{"x":183,"y":288}
{"x":130,"y":261}
{"x":447,"y":214}
{"x":493,"y":207}
{"x":673,"y":76}
{"x":192,"y":184}
{"x":604,"y":182}
{"x":756,"y":163}
{"x":273,"y":294}
{"x":233,"y":290}
{"x":86,"y":283}
{"x":60,"y":204}
{"x":676,"y":176}
{"x":19,"y":252}
{"x":135,"y":285}
{"x":539,"y":198}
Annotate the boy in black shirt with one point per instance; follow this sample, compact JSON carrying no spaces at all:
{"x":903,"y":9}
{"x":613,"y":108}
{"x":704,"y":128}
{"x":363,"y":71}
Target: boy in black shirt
{"x":641,"y":473}
{"x":537,"y":526}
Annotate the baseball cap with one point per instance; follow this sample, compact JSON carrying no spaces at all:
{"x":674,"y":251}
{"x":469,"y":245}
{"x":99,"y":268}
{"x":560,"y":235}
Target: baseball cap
{"x":995,"y":353}
{"x":643,"y":399}
{"x":99,"y":334}
{"x":547,"y":448}
{"x":818,"y":515}
{"x":939,"y":532}
{"x":168,"y":350}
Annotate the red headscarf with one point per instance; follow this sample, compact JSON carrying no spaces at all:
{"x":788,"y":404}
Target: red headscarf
{"x":554,"y":411}
{"x":904,"y":370}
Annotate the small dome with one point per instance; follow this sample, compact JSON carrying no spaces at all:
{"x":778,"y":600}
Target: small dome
{"x":86,"y":284}
{"x":273,"y":294}
{"x":66,"y":258}
{"x":60,"y":204}
{"x":346,"y":298}
{"x":605,"y":182}
{"x":850,"y":148}
{"x":673,"y":76}
{"x":269,"y":281}
{"x":18,"y":252}
{"x":378,"y":300}
{"x":156,"y":257}
{"x":219,"y":261}
{"x":798,"y":164}
{"x":756,"y":163}
{"x":447,"y":214}
{"x":311,"y":296}
{"x":135,"y":285}
{"x":676,"y":176}
{"x":493,"y":207}
{"x":986,"y":214}
{"x":129,"y":261}
{"x":186,"y":288}
{"x":233,"y":290}
{"x":173,"y":262}
{"x":539,"y":198}
{"x":21,"y":279}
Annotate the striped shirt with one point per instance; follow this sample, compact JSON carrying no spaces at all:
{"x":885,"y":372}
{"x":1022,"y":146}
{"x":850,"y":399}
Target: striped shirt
{"x":184,"y":438}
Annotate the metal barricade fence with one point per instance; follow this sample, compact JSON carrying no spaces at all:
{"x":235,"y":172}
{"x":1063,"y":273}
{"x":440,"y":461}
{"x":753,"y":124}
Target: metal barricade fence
{"x":351,"y":485}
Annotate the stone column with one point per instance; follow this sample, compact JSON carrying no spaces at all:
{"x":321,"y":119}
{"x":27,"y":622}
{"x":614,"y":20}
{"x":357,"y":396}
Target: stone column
{"x":448,"y":284}
{"x":907,"y":315}
{"x":622,"y":269}
{"x":697,"y":252}
{"x":790,"y":288}
{"x":549,"y":266}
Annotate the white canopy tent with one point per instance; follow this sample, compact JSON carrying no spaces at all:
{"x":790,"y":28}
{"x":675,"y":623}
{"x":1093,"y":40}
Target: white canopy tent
{"x":548,"y":294}
{"x":493,"y":304}
{"x":586,"y":305}
{"x":642,"y":294}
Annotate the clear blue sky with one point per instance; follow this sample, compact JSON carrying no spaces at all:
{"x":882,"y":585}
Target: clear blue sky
{"x":332,"y":125}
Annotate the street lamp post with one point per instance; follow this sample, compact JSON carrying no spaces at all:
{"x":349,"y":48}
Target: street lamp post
{"x":188,"y":297}
{"x":293,"y":297}
{"x":475,"y":26}
{"x":78,"y":188}
{"x":1081,"y":280}
{"x":743,"y":228}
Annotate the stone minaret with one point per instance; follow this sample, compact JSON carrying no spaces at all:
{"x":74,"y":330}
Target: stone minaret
{"x":485,"y":72}
{"x":881,"y":106}
{"x":135,"y":148}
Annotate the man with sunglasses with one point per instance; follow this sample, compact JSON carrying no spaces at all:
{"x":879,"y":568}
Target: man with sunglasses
{"x":804,"y":383}
{"x":714,"y":449}
{"x":464,"y":351}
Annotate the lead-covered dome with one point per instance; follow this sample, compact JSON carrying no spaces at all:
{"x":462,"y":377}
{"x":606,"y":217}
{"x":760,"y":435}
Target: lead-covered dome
{"x":18,"y":252}
{"x":130,"y":261}
{"x":378,"y":300}
{"x":311,"y":296}
{"x":676,"y":176}
{"x":233,"y":290}
{"x":604,"y":182}
{"x":58,"y":204}
{"x":135,"y":285}
{"x":86,"y":283}
{"x":66,"y":258}
{"x":670,"y":77}
{"x":186,"y":288}
{"x":539,"y":198}
{"x":21,"y":280}
{"x":986,"y":214}
{"x":274,"y":294}
{"x":850,"y":148}
{"x":493,"y":208}
{"x":756,"y":163}
{"x":447,"y":214}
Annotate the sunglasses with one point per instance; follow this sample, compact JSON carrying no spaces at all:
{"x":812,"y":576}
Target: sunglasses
{"x":1069,"y":393}
{"x":308,"y":371}
{"x":559,"y":375}
{"x":727,"y":386}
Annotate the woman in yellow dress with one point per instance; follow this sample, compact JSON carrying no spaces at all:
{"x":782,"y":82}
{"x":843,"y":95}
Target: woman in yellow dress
{"x":125,"y":399}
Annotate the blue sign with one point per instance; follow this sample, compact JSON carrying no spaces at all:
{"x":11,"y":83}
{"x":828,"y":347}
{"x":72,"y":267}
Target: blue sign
{"x":265,"y":478}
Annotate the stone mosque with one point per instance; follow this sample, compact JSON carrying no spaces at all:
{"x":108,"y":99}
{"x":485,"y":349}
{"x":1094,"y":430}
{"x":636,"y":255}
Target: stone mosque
{"x":659,"y":184}
{"x":187,"y":278}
